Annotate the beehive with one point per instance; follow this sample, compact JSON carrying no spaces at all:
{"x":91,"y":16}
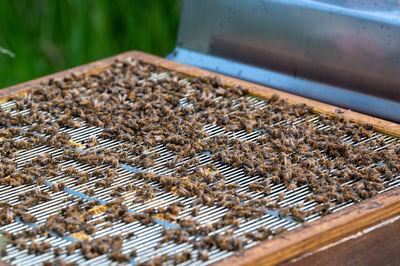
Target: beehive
{"x":269,"y":203}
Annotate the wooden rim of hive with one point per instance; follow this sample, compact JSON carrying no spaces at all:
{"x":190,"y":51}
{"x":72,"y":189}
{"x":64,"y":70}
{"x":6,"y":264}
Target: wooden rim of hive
{"x":308,"y":237}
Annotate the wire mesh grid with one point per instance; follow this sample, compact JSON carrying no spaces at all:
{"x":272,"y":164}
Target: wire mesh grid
{"x":146,"y":238}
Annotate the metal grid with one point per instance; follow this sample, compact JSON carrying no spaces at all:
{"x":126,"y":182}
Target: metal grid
{"x":147,"y":237}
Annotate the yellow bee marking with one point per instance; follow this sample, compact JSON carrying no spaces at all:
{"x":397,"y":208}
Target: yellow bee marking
{"x":76,"y":144}
{"x":80,"y":235}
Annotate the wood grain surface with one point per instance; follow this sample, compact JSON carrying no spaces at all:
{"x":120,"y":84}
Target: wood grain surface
{"x":378,"y":245}
{"x":309,"y":237}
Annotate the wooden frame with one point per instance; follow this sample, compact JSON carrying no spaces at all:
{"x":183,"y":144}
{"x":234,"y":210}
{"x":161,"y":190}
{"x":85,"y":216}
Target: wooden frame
{"x":309,"y":237}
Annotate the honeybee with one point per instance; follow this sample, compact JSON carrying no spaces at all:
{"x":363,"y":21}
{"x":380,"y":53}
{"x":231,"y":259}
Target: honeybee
{"x":72,"y":247}
{"x":276,"y":179}
{"x":58,"y":186}
{"x":119,"y":257}
{"x":43,"y":247}
{"x":70,"y":171}
{"x":133,"y":252}
{"x":57,"y":251}
{"x":280,"y":230}
{"x":28,"y":218}
{"x":20,"y":243}
{"x":89,"y":192}
{"x":82,"y":180}
{"x":184,"y":256}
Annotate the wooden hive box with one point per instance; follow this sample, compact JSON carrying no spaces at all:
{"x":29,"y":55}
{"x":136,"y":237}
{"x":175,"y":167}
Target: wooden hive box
{"x":365,"y":233}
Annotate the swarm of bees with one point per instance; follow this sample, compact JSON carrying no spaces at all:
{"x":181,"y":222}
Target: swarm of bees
{"x":141,"y":114}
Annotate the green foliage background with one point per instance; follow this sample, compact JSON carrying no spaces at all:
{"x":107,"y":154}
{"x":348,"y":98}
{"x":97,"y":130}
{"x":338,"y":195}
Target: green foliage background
{"x":47,"y":36}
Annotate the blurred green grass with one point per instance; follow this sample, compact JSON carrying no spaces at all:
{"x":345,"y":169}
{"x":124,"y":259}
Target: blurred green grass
{"x":47,"y":36}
